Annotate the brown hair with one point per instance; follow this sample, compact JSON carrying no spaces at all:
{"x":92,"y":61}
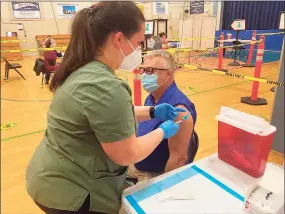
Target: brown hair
{"x":162,"y":34}
{"x":48,"y":43}
{"x":89,"y":31}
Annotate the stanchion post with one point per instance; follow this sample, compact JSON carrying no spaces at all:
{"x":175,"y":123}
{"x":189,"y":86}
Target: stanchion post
{"x":251,"y":48}
{"x":221,"y":54}
{"x":253,"y":39}
{"x":137,"y":87}
{"x":253,"y":99}
{"x":221,"y":50}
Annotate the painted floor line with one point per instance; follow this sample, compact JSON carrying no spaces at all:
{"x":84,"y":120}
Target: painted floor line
{"x":264,"y":117}
{"x":22,"y":135}
{"x":213,"y":89}
{"x":226,"y":86}
{"x":23,"y":101}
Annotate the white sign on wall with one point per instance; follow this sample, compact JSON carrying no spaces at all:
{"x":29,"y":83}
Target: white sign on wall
{"x":67,"y":10}
{"x":26,"y":10}
{"x":238,"y":24}
{"x":160,"y":8}
{"x":149,"y":28}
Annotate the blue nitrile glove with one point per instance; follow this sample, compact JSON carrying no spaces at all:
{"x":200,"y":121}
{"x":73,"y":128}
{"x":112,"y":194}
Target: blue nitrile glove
{"x":169,"y":128}
{"x":165,"y":112}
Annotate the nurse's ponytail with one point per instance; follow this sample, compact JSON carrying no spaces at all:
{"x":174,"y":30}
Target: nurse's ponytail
{"x":89,"y":31}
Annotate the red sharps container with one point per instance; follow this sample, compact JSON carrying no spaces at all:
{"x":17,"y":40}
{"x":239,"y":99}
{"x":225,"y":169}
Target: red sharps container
{"x":244,"y":141}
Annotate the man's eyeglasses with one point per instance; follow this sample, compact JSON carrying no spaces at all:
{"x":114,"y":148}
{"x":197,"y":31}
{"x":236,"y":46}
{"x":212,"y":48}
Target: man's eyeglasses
{"x":150,"y":70}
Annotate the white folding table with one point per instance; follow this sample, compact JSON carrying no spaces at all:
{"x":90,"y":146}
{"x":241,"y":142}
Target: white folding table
{"x":206,"y":186}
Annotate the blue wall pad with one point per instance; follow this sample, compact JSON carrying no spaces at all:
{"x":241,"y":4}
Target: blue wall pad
{"x":272,"y":42}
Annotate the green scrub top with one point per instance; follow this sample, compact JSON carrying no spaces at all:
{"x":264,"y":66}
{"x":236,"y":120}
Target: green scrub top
{"x":91,"y":106}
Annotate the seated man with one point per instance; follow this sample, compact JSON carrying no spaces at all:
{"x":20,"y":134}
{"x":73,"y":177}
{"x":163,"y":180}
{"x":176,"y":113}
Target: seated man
{"x":157,"y":43}
{"x":53,"y":43}
{"x":150,"y":42}
{"x":158,"y":79}
{"x":50,"y":61}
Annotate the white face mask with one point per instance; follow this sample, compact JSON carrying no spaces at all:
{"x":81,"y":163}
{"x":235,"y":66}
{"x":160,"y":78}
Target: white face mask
{"x":132,"y":60}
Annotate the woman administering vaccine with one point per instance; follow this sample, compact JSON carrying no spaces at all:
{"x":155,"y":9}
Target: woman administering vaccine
{"x":81,"y":163}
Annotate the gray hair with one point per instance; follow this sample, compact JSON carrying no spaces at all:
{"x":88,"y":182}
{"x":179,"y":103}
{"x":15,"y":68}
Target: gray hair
{"x":169,"y":59}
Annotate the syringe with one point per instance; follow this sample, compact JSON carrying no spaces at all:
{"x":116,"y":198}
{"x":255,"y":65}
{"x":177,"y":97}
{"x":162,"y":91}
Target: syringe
{"x":184,"y":118}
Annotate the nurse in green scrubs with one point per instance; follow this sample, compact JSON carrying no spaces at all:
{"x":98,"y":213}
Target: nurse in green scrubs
{"x":81,"y":163}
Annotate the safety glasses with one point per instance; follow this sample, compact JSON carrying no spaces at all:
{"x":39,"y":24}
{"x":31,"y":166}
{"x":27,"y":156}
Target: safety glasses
{"x":150,"y":70}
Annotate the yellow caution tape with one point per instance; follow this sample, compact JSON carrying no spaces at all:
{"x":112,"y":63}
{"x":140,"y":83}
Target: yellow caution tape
{"x":171,"y":50}
{"x":192,"y":39}
{"x":7,"y":126}
{"x":16,"y":41}
{"x":179,"y":50}
{"x":269,"y":34}
{"x":205,"y":38}
{"x":255,"y":42}
{"x":26,"y":40}
{"x":34,"y":49}
{"x":235,"y":75}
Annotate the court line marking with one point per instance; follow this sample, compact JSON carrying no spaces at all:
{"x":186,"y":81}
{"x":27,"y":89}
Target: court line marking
{"x":226,"y":86}
{"x":22,"y":135}
{"x":37,"y":103}
{"x":264,"y":117}
{"x":24,"y":101}
{"x":213,"y":89}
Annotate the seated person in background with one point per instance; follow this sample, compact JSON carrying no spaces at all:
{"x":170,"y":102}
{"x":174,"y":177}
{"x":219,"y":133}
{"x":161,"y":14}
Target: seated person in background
{"x":150,"y":43}
{"x":142,"y":45}
{"x":157,"y":43}
{"x":158,"y":80}
{"x":163,"y":37}
{"x":50,"y":61}
{"x":53,"y":43}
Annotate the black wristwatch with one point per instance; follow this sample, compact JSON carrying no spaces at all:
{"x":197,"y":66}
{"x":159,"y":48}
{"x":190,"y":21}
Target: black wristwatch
{"x":151,"y":111}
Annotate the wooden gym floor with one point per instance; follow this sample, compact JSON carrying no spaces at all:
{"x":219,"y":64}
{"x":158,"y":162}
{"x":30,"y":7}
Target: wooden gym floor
{"x":25,"y":103}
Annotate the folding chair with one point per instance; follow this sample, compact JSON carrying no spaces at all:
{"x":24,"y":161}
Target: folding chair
{"x":9,"y":66}
{"x":39,"y":68}
{"x":238,"y":48}
{"x":43,"y":76}
{"x":193,"y":148}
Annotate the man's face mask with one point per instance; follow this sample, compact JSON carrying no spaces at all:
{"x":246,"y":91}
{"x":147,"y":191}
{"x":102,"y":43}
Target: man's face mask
{"x":149,"y":82}
{"x":150,"y":79}
{"x":132,"y":60}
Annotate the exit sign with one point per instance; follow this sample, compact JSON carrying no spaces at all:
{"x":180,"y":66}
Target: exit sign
{"x":238,"y":24}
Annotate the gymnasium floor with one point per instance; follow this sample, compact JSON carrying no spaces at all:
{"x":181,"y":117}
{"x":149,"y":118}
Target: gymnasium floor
{"x":25,"y":103}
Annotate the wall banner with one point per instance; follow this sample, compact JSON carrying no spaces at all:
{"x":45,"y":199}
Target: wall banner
{"x":160,"y":8}
{"x":26,"y":10}
{"x":67,"y":10}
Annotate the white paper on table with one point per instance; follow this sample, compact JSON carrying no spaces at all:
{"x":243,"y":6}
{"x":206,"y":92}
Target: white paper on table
{"x":202,"y":190}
